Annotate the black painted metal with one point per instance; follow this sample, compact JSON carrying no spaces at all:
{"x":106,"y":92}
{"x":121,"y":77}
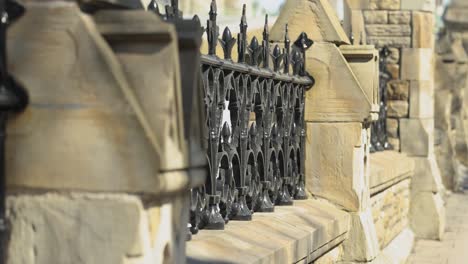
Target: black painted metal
{"x":379,"y":138}
{"x":13,"y":98}
{"x":255,"y":129}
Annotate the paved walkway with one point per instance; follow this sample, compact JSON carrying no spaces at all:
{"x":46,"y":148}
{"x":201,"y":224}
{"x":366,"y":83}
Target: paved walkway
{"x":453,"y":249}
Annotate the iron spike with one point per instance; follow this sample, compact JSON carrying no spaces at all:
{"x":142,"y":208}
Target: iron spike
{"x":287,"y":50}
{"x":242,"y":37}
{"x":266,"y":44}
{"x":212,"y":30}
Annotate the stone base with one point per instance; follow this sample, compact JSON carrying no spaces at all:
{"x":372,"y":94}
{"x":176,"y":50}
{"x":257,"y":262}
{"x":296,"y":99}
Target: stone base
{"x":95,"y":228}
{"x":398,"y":251}
{"x":362,"y":244}
{"x":427,"y":215}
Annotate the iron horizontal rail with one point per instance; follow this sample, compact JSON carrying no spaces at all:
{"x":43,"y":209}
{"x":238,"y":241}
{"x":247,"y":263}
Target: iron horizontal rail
{"x":254,"y":70}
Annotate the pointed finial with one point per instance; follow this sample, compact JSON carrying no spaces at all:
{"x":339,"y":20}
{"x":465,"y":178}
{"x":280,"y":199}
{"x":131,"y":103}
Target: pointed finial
{"x":287,"y":50}
{"x":302,"y":44}
{"x":227,"y":43}
{"x":266,"y":44}
{"x":153,"y":6}
{"x":255,"y":51}
{"x":213,"y":10}
{"x":277,"y":57}
{"x":242,"y":37}
{"x":296,"y":61}
{"x":212,"y":29}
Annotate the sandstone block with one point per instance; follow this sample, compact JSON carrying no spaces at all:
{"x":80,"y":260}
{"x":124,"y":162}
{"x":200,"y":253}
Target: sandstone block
{"x":326,"y":26}
{"x":397,"y":108}
{"x":384,"y":4}
{"x":395,"y":143}
{"x":338,"y":99}
{"x":376,"y":17}
{"x":335,"y":164}
{"x":426,"y":175}
{"x":398,"y":90}
{"x":421,"y":99}
{"x":427,"y":215}
{"x":423,"y":30}
{"x":88,"y":228}
{"x":446,"y":159}
{"x":394,"y":70}
{"x":417,"y":136}
{"x":388,"y":30}
{"x":422,"y":5}
{"x":392,"y":127}
{"x":362,"y":244}
{"x":398,"y":42}
{"x":399,"y":17}
{"x":390,"y":209}
{"x":417,"y":64}
{"x":355,"y":25}
{"x":394,"y":56}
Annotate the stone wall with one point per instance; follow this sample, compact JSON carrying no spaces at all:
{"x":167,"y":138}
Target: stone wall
{"x":406,"y":28}
{"x":390,"y":210}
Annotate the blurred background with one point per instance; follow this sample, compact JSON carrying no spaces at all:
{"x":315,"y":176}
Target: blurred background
{"x":229,"y":11}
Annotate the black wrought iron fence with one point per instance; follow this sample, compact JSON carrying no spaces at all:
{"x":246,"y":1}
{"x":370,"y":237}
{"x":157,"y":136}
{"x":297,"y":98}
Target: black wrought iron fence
{"x":379,"y":138}
{"x":255,"y":137}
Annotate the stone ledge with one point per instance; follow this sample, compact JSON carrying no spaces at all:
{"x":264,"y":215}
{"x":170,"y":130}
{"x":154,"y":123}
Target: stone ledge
{"x":299,"y":233}
{"x":387,"y":169}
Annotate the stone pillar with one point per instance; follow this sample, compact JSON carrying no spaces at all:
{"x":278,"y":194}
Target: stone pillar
{"x":405,"y":27}
{"x":97,"y":164}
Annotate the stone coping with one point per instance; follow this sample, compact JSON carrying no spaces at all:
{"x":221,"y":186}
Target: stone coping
{"x":292,"y":234}
{"x":388,"y":168}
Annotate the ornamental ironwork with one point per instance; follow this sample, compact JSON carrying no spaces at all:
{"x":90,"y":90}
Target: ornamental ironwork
{"x":255,"y":132}
{"x":379,"y":137}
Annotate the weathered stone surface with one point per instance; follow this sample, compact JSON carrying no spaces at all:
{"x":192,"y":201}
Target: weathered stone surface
{"x":355,"y":25}
{"x":395,"y":143}
{"x":92,"y":228}
{"x":322,"y":22}
{"x":398,"y":42}
{"x":390,"y":211}
{"x":335,"y":164}
{"x":423,"y":5}
{"x":96,"y":110}
{"x":421,"y":99}
{"x":417,"y":136}
{"x":384,"y":4}
{"x":334,"y":99}
{"x":394,"y":70}
{"x":394,"y":56}
{"x":426,"y":175}
{"x":364,"y":63}
{"x":399,"y":17}
{"x":446,"y":158}
{"x":375,"y":16}
{"x":417,"y":64}
{"x":308,"y":229}
{"x":398,"y":90}
{"x":397,"y":108}
{"x":423,"y":30}
{"x":388,"y":168}
{"x":362,"y":244}
{"x":427,"y":215}
{"x":392,"y":127}
{"x":388,"y":30}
